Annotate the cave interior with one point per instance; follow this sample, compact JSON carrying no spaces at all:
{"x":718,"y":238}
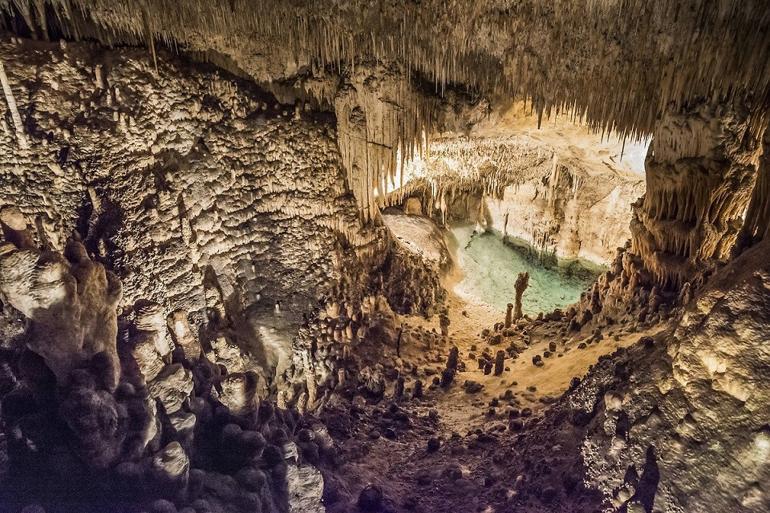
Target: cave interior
{"x":292,"y":256}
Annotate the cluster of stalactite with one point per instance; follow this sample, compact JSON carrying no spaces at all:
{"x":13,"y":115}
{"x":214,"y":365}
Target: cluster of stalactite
{"x":376,"y":137}
{"x":701,"y":169}
{"x":481,"y":41}
{"x":470,"y":166}
{"x":646,"y":56}
{"x":756,"y":226}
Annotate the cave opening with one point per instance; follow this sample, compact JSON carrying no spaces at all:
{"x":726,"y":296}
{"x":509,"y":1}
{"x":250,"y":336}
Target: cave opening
{"x":551,"y":200}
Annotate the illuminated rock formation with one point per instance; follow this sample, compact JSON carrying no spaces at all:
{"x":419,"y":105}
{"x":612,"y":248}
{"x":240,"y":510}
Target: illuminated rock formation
{"x":701,"y":169}
{"x":204,"y":306}
{"x":562,"y":189}
{"x":697,"y":394}
{"x":523,"y":53}
{"x":756,"y":225}
{"x":100,"y":440}
{"x":71,"y":304}
{"x":522,"y":282}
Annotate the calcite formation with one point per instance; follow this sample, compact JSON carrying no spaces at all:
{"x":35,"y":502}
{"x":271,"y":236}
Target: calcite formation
{"x":697,"y":393}
{"x":70,"y":301}
{"x":755,"y":227}
{"x":189,"y":214}
{"x":137,"y":426}
{"x":529,"y":51}
{"x":528,"y":191}
{"x":701,"y":170}
{"x":208,"y":302}
{"x":210,"y":241}
{"x":522,"y":282}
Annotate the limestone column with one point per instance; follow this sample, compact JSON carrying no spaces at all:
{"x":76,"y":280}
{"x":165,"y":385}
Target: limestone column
{"x":522,"y":282}
{"x":508,"y":315}
{"x":700,"y":171}
{"x":499,"y":363}
{"x":756,"y":225}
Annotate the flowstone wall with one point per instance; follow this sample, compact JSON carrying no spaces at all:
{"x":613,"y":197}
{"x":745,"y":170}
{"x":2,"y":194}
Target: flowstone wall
{"x":174,"y":175}
{"x":180,"y":253}
{"x":701,"y":170}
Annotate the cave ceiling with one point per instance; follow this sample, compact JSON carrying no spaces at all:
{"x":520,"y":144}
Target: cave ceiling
{"x":397,"y":72}
{"x":618,"y":64}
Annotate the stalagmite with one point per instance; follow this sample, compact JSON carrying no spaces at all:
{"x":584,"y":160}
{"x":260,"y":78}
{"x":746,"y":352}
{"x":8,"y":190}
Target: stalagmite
{"x":448,"y":374}
{"x":522,"y":282}
{"x":398,"y":393}
{"x":417,"y":391}
{"x":444,"y":324}
{"x":499,"y":363}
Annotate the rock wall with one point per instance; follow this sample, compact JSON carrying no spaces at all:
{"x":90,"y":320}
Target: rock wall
{"x":202,"y":194}
{"x":755,"y":226}
{"x":677,"y":423}
{"x":568,"y":212}
{"x":93,"y":421}
{"x":190,"y":184}
{"x":227,"y":217}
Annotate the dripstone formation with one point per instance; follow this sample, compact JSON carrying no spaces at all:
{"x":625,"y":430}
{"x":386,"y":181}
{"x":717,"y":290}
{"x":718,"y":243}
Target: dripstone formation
{"x":228,"y":281}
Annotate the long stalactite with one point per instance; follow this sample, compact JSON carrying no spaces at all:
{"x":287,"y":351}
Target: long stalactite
{"x":622,"y":77}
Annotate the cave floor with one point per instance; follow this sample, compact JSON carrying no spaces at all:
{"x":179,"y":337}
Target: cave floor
{"x":533,"y":387}
{"x":386,"y":442}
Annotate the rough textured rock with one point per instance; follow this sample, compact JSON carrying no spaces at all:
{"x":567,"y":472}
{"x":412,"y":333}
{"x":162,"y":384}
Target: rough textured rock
{"x":98,"y":444}
{"x":138,"y":410}
{"x":701,"y":170}
{"x":534,"y":52}
{"x":172,"y":387}
{"x":305,"y":485}
{"x":697,"y":395}
{"x":203,"y":194}
{"x":71,"y":303}
{"x":181,"y":143}
{"x":244,"y":226}
{"x":240,"y":392}
{"x":756,"y":225}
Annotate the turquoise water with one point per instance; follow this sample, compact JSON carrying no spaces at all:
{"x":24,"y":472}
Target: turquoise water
{"x":490,"y":268}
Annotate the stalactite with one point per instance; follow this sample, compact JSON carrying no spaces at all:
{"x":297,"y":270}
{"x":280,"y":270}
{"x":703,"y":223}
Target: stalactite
{"x":700,"y":169}
{"x":481,"y":166}
{"x":756,"y":225}
{"x":648,"y":55}
{"x":11,"y":101}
